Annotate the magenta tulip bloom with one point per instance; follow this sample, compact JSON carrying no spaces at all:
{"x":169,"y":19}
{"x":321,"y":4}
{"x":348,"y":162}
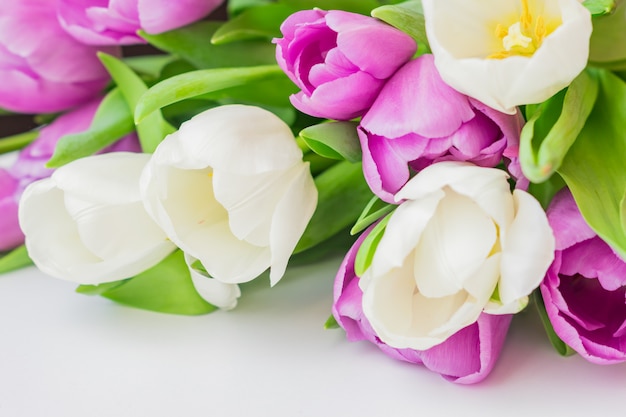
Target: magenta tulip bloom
{"x":466,"y":357}
{"x":585,"y":288}
{"x":30,"y":166}
{"x":339,"y":60}
{"x":418,"y":119}
{"x":116,"y":22}
{"x":42,"y":68}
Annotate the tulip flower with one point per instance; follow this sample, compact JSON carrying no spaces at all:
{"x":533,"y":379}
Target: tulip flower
{"x":506,"y":53}
{"x":43,"y":69}
{"x":230,"y":189}
{"x":418,"y":119}
{"x":116,"y":22}
{"x":87,"y":224}
{"x":585,"y":287}
{"x":339,"y":60}
{"x":30,"y":164}
{"x":460,"y":244}
{"x":466,"y":357}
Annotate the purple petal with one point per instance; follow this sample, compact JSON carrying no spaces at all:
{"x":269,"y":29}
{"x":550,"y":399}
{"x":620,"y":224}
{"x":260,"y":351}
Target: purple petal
{"x":416,"y":100}
{"x":593,"y":258}
{"x":566,"y":221}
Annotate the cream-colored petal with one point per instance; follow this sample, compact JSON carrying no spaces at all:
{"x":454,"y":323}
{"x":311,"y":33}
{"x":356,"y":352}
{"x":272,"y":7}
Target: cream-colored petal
{"x":453,"y":246}
{"x":527,"y":249}
{"x":215,"y":292}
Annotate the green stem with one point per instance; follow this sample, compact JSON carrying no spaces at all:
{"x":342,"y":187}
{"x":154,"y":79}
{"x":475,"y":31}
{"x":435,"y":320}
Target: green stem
{"x":15,"y":142}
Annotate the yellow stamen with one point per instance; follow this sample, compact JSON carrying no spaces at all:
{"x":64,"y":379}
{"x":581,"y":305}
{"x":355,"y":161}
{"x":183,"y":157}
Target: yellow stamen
{"x":523,"y":37}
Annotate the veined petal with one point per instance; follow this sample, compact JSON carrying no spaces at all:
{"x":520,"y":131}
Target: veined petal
{"x":290,"y":219}
{"x":454,"y":245}
{"x":527,"y":249}
{"x":215,"y":292}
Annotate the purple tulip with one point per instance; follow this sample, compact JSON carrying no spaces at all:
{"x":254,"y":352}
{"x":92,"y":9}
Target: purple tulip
{"x":466,"y":357}
{"x":585,"y":288}
{"x":43,"y":69}
{"x":30,"y":166}
{"x":339,"y":60}
{"x":116,"y":22}
{"x":418,"y":119}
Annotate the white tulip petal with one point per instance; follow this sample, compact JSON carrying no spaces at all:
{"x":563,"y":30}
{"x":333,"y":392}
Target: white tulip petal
{"x":461,"y":36}
{"x":124,"y":239}
{"x":403,"y":232}
{"x":527,"y":251}
{"x":497,"y":308}
{"x":225,"y":257}
{"x":108,"y":178}
{"x":290,"y":219}
{"x":211,"y":290}
{"x":455,"y":243}
{"x":250,"y":201}
{"x":238,"y":138}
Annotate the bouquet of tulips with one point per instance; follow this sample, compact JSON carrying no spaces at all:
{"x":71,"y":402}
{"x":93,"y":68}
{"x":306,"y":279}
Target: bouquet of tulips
{"x":465,"y":156}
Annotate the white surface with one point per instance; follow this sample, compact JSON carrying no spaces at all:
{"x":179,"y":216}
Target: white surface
{"x":66,"y":354}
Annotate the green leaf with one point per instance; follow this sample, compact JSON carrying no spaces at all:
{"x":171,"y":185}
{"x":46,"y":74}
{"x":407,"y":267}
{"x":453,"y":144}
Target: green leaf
{"x":16,"y":142}
{"x":153,"y":129}
{"x":545,"y":191}
{"x":342,"y":192}
{"x":607,"y":46}
{"x":366,"y":252}
{"x":111,"y":121}
{"x":151,"y":65}
{"x":335,"y":140}
{"x":197,"y":83}
{"x":99,"y":289}
{"x":331,"y":323}
{"x":593,"y":169}
{"x":559,"y":345}
{"x":192,"y":44}
{"x":407,"y":17}
{"x":237,"y":6}
{"x":355,"y":6}
{"x":374,"y":210}
{"x":166,"y":288}
{"x":15,"y":259}
{"x":257,"y":22}
{"x":553,"y":128}
{"x":599,"y":7}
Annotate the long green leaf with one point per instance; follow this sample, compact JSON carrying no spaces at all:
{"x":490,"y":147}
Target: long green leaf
{"x":192,"y":43}
{"x":16,"y":259}
{"x":16,"y":142}
{"x":559,"y":345}
{"x":197,"y":83}
{"x":112,"y":121}
{"x":342,"y":194}
{"x":553,"y":128}
{"x":154,"y":128}
{"x":166,"y":288}
{"x":594,"y":169}
{"x":256,"y":22}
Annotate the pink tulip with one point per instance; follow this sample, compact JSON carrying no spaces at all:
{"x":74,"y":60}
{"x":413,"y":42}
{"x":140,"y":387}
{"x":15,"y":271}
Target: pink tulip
{"x":418,"y":119}
{"x":339,"y":60}
{"x":116,"y":22}
{"x":466,"y":357}
{"x":585,"y":288}
{"x":42,"y":68}
{"x":30,"y":166}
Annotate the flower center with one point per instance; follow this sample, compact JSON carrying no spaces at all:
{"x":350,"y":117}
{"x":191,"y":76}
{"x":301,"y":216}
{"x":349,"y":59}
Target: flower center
{"x":524,"y":36}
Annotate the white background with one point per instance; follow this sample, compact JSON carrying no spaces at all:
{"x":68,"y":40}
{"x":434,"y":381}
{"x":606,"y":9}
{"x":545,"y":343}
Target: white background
{"x":65,"y":354}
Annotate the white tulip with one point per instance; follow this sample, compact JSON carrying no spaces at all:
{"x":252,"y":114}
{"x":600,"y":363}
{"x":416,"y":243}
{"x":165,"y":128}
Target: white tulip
{"x":507,"y":53}
{"x":459,"y":244}
{"x":87,"y":224}
{"x":231,"y":190}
